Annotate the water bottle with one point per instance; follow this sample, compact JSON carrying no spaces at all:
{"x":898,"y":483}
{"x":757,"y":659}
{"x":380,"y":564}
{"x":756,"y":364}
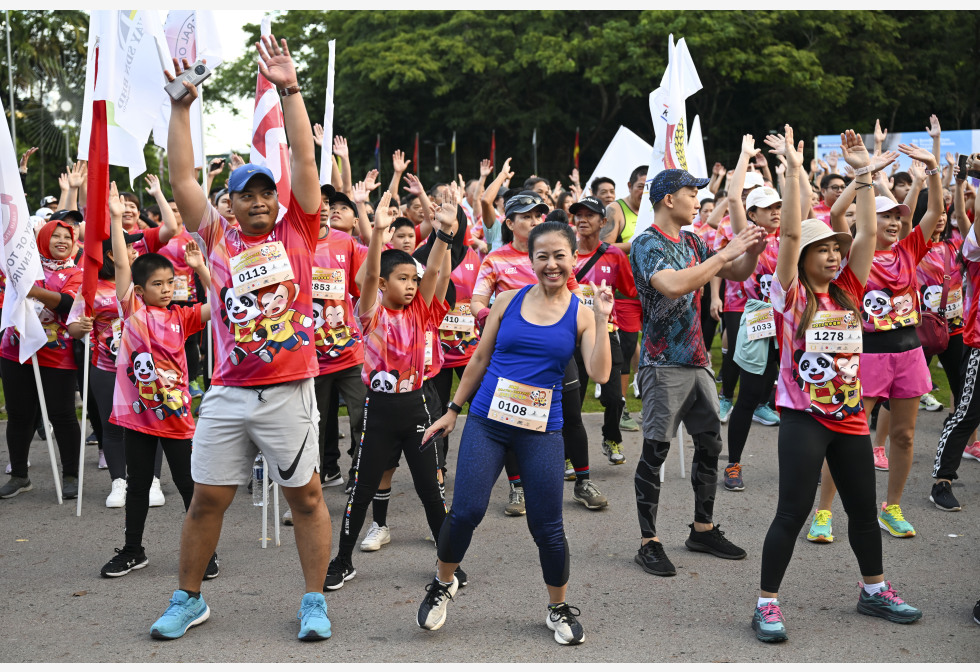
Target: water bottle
{"x":258,"y":472}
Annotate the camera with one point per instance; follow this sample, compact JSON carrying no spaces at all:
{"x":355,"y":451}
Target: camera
{"x":195,"y":74}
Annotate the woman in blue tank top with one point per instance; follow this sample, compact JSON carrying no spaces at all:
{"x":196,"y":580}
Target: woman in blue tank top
{"x":516,"y":374}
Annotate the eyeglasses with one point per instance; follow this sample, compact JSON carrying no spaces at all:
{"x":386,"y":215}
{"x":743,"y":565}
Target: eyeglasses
{"x":836,"y":187}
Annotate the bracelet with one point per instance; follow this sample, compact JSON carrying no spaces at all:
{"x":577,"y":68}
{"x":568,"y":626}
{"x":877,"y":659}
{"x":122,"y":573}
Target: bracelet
{"x":289,"y":90}
{"x":863,"y":171}
{"x":869,"y":185}
{"x":453,"y":406}
{"x":934,"y":171}
{"x":444,"y":237}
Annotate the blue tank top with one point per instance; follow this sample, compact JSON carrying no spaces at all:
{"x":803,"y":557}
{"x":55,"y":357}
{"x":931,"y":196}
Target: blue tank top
{"x":531,"y":354}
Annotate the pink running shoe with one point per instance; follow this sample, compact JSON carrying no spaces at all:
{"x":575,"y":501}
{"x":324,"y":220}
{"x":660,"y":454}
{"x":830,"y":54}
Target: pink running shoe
{"x":972,"y":451}
{"x":881,"y":460}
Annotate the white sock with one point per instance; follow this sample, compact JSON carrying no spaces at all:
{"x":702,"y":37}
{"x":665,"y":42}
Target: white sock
{"x":763,"y":601}
{"x":444,"y":583}
{"x":874,"y":588}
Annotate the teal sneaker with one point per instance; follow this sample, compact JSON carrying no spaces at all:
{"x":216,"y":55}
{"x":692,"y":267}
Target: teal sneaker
{"x":314,"y":624}
{"x":765,"y":416}
{"x":821,"y":529}
{"x":724,"y":409}
{"x":184,"y":612}
{"x":888,"y":605}
{"x":627,"y":423}
{"x":768,"y":623}
{"x":892,"y":521}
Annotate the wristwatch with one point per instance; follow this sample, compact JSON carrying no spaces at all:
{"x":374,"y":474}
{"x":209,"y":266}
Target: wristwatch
{"x":453,"y":406}
{"x":289,"y":90}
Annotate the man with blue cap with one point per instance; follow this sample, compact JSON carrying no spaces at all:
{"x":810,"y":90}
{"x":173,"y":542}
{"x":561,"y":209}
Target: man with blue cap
{"x":671,"y":267}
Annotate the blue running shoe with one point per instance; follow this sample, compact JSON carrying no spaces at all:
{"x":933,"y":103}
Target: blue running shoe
{"x":887,"y":604}
{"x":312,"y":615}
{"x":184,"y":612}
{"x":765,"y":416}
{"x":768,"y":623}
{"x":195,"y":390}
{"x":724,"y":409}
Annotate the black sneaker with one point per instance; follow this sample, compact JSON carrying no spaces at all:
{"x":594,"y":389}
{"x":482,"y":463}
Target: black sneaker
{"x":212,"y":571}
{"x":942,"y":496}
{"x":713,"y":541}
{"x":432,"y":611}
{"x":125,"y":562}
{"x":461,"y":577}
{"x":563,"y":622}
{"x":338,"y":572}
{"x":91,"y":440}
{"x":653,"y":559}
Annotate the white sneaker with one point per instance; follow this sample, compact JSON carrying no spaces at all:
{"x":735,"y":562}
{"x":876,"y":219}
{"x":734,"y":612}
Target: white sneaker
{"x":598,"y":390}
{"x":563,"y":622}
{"x":636,"y":388}
{"x":156,"y":494}
{"x":9,"y":467}
{"x":287,"y":518}
{"x":376,"y":537}
{"x":117,"y":498}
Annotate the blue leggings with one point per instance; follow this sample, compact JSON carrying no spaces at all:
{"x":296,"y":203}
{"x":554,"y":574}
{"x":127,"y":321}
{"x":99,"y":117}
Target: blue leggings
{"x":541,"y":456}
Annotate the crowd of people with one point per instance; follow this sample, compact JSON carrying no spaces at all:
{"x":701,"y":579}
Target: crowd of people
{"x":833,"y":288}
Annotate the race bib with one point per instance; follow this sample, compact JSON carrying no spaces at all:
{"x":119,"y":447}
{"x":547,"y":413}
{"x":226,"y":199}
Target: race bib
{"x":760,"y":324}
{"x":260,"y":266}
{"x":182,"y":288}
{"x":588,"y":296}
{"x":428,"y":348}
{"x":520,"y":405}
{"x":459,"y":319}
{"x":834,"y":331}
{"x":329,"y":283}
{"x":954,"y":303}
{"x":117,"y":330}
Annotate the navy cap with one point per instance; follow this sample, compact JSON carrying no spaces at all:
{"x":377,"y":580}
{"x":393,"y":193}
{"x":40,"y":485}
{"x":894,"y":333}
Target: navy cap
{"x":130,"y":238}
{"x":343,"y":199}
{"x":591,"y":203}
{"x":526,"y":201}
{"x":671,"y":180}
{"x":69,"y":215}
{"x":242,"y":175}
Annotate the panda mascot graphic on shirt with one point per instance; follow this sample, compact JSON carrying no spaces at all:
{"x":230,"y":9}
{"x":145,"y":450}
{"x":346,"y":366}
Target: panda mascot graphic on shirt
{"x":833,"y":393}
{"x":877,"y":308}
{"x":240,"y":314}
{"x":765,"y":284}
{"x":157,"y":387}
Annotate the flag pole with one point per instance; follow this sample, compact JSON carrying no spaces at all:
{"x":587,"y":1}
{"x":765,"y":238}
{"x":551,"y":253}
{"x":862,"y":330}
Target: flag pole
{"x":10,"y":86}
{"x":534,"y":143}
{"x":81,"y":448}
{"x":48,"y":430}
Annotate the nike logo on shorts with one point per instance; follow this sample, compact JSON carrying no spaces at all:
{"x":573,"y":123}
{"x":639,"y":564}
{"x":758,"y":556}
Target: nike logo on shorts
{"x":288,"y":474}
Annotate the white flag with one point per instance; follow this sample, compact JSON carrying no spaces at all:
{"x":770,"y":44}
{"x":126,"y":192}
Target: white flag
{"x":21,"y":260}
{"x":626,"y":151}
{"x":191,"y":34}
{"x":326,"y":151}
{"x":130,"y":80}
{"x":269,"y":146}
{"x":697,"y":165}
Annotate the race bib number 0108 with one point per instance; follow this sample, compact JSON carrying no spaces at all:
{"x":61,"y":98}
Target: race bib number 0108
{"x":834,"y":331}
{"x":520,"y":405}
{"x":259,"y":267}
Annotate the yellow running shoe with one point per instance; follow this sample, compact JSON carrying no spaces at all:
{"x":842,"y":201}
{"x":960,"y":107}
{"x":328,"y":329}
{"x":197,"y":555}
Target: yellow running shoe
{"x":892,"y":520}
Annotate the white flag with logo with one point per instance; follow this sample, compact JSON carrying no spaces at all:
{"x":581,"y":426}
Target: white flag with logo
{"x":130,"y":79}
{"x":21,"y":260}
{"x":269,"y":146}
{"x":326,"y":151}
{"x":191,"y":34}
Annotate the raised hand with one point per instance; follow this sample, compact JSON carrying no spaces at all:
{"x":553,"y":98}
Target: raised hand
{"x":63,"y":182}
{"x":919,"y":153}
{"x":414,"y":184}
{"x":152,"y":184}
{"x":853,"y":149}
{"x":77,"y":174}
{"x":933,"y":129}
{"x":885,"y":159}
{"x":179,"y":67}
{"x":832,"y":161}
{"x":602,"y":303}
{"x":880,"y":135}
{"x":318,"y":135}
{"x":748,"y":145}
{"x":782,"y":144}
{"x":275,"y":63}
{"x":506,"y":171}
{"x":236,"y":161}
{"x":192,"y":255}
{"x":718,"y":169}
{"x":399,"y":162}
{"x":215,"y":167}
{"x":371,"y":179}
{"x":574,"y":177}
{"x":115,"y":203}
{"x":383,"y":220}
{"x":918,"y":171}
{"x":340,"y":146}
{"x":359,"y":192}
{"x":485,"y":168}
{"x":781,"y":168}
{"x":25,"y":158}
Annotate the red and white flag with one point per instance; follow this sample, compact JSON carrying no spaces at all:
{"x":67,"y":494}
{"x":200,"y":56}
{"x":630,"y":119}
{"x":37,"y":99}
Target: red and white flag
{"x":21,"y":260}
{"x":269,"y":146}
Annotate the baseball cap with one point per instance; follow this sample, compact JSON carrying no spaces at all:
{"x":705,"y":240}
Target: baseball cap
{"x":129,"y":238}
{"x":762,"y":197}
{"x":884,"y":204}
{"x":66,"y":215}
{"x":589,"y":203}
{"x":671,"y":180}
{"x":753,"y":180}
{"x":815,"y":230}
{"x":48,"y":201}
{"x":244,"y":174}
{"x":526,"y":201}
{"x":44,"y":213}
{"x":343,"y":199}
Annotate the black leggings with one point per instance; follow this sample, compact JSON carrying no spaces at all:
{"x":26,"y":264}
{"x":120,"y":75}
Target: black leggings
{"x":192,"y":351}
{"x":754,"y":389}
{"x":803,"y":445}
{"x":708,"y":324}
{"x":24,"y":412}
{"x":611,"y":393}
{"x":393,"y":424}
{"x":444,"y":386}
{"x":101,"y":386}
{"x":572,"y":430}
{"x":141,"y":452}
{"x":958,"y":426}
{"x":729,"y":369}
{"x":952,"y":358}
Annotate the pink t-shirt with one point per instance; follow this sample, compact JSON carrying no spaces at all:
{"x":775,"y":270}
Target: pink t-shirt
{"x":613,"y":267}
{"x":756,"y":286}
{"x":185,"y":289}
{"x":107,"y":324}
{"x":505,"y":269}
{"x":706,"y":232}
{"x":57,"y":353}
{"x":931,"y":277}
{"x":459,"y":345}
{"x":735,"y":298}
{"x":150,"y":395}
{"x":397,"y":351}
{"x":150,"y":242}
{"x":822,"y":212}
{"x":336,"y":334}
{"x":265,"y":334}
{"x":826,"y":385}
{"x":891,"y":298}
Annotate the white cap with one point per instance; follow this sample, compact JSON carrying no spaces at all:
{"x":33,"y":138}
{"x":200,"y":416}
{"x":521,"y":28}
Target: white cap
{"x":753,"y":180}
{"x":44,"y":213}
{"x":762,"y":197}
{"x":884,"y":204}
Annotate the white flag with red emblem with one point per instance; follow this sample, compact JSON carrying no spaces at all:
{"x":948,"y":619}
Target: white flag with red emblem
{"x":269,"y":146}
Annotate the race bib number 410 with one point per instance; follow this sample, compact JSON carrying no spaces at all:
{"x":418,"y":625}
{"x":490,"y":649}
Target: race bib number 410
{"x":260,"y":266}
{"x":834,"y":331}
{"x":459,"y":318}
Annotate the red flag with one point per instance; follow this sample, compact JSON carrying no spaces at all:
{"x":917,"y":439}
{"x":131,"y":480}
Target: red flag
{"x":415,"y":155}
{"x":493,"y":148}
{"x":97,"y":204}
{"x":576,"y":149}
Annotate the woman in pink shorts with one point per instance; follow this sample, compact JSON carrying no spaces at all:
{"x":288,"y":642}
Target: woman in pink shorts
{"x":893,"y":366}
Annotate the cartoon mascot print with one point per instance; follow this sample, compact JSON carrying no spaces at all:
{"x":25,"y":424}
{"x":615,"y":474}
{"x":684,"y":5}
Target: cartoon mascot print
{"x":276,"y":325}
{"x":239,"y":315}
{"x":877,"y":307}
{"x":156,"y":387}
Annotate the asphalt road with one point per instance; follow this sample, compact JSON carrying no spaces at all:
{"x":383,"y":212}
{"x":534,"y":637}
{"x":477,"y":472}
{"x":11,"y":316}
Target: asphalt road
{"x":57,"y":608}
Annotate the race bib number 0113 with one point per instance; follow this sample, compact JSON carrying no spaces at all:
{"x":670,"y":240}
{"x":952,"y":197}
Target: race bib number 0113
{"x":760,"y":324}
{"x":520,"y":405}
{"x":329,"y":283}
{"x":834,"y":331}
{"x":259,"y":267}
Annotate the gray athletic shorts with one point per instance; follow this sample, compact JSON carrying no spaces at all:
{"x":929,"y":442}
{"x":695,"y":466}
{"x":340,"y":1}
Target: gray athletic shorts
{"x":672,"y":394}
{"x":237,"y":422}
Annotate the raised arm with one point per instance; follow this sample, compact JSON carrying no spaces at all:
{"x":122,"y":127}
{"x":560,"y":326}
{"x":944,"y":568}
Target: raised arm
{"x":340,"y":149}
{"x":170,"y":228}
{"x":791,"y":219}
{"x":934,"y":182}
{"x":490,"y":195}
{"x":214,"y":169}
{"x":415,"y":187}
{"x":277,"y":66}
{"x":120,"y":255}
{"x":935,"y":131}
{"x":446,"y":217}
{"x":400,"y":165}
{"x":862,"y":252}
{"x":736,"y":209}
{"x":372,"y":263}
{"x":959,"y":203}
{"x":190,"y":199}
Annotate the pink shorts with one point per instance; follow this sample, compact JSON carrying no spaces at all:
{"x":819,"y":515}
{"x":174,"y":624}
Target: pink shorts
{"x":895,"y":375}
